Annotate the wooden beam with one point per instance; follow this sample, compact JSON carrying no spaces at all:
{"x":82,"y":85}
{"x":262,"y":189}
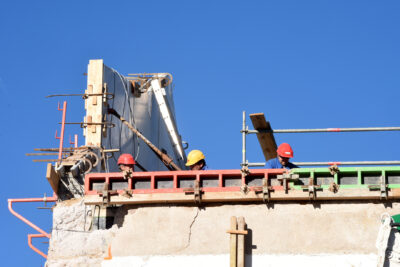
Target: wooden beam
{"x":266,"y":140}
{"x":93,"y":105}
{"x":52,"y":177}
{"x":237,"y":196}
{"x":240,"y":243}
{"x":233,"y":242}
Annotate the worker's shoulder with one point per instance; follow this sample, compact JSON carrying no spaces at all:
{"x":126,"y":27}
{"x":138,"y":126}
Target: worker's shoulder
{"x":272,"y":163}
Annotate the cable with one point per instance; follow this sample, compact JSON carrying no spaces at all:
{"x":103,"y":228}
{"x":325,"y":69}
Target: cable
{"x":125,"y":84}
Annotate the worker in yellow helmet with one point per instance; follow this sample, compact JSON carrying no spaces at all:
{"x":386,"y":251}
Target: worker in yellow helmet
{"x":196,"y":160}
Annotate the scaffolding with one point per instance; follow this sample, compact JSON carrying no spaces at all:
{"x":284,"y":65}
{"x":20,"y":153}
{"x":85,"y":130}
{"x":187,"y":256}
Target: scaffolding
{"x":265,"y":135}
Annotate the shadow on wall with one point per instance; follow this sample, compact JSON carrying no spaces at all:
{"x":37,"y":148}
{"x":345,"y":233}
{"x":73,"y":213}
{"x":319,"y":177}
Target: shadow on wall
{"x":248,"y":247}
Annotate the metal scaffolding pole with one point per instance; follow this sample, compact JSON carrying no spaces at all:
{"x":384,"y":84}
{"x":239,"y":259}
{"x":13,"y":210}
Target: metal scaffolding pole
{"x":327,"y":130}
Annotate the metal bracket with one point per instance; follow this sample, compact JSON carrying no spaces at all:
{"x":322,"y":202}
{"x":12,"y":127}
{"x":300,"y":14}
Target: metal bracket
{"x":245,"y":169}
{"x":127,"y":193}
{"x":287,"y":177}
{"x":106,"y":194}
{"x":382,"y":187}
{"x":312,"y":189}
{"x":105,"y":124}
{"x":244,"y":189}
{"x":266,"y":191}
{"x":196,"y":191}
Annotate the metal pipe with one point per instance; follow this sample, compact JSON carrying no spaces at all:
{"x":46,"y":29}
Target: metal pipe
{"x":56,"y":149}
{"x":347,"y":163}
{"x":62,"y":131}
{"x":19,"y":216}
{"x":244,"y":139}
{"x":44,"y":154}
{"x":30,"y":236}
{"x":256,"y":164}
{"x":323,"y":130}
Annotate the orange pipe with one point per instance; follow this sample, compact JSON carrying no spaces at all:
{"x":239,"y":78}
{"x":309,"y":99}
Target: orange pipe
{"x":19,"y":216}
{"x":64,"y":110}
{"x":109,"y":256}
{"x":30,"y":236}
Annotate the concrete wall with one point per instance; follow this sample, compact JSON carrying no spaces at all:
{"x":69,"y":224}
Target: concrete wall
{"x":280,"y":235}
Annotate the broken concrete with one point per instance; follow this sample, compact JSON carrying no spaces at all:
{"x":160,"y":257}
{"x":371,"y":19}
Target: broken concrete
{"x":72,"y":241}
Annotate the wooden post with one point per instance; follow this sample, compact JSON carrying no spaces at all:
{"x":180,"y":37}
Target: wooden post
{"x":233,"y":242}
{"x":240,"y":245}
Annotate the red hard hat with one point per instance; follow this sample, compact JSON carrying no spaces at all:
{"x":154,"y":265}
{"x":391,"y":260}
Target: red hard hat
{"x":284,"y":150}
{"x":126,"y":159}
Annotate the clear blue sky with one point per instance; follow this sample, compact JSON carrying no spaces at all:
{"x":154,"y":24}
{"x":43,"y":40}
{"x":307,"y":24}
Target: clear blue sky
{"x":305,"y":64}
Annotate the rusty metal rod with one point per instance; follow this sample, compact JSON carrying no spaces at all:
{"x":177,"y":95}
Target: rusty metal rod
{"x":394,"y":162}
{"x":84,"y":96}
{"x":44,"y":154}
{"x":56,"y":149}
{"x":326,"y":130}
{"x":44,"y":160}
{"x":168,"y":162}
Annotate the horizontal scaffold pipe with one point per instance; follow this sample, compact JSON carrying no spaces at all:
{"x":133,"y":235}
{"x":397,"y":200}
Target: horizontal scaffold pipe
{"x":326,"y":130}
{"x":394,"y":162}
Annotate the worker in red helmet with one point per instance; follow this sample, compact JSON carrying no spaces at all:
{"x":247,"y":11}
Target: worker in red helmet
{"x":285,"y":152}
{"x":126,"y":163}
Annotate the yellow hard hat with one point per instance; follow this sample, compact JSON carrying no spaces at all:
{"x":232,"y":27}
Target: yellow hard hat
{"x":194,"y":156}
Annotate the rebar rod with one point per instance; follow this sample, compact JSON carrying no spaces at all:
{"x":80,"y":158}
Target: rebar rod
{"x":327,"y":130}
{"x":56,"y":149}
{"x":244,"y":139}
{"x":44,"y":154}
{"x":394,"y":162}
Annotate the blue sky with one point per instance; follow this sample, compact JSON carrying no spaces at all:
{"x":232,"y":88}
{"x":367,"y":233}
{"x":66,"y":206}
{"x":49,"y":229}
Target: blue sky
{"x":305,"y":64}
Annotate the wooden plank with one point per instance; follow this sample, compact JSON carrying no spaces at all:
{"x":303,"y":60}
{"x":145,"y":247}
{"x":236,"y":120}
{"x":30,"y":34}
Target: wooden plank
{"x":94,"y":110}
{"x":52,"y":177}
{"x":237,"y":196}
{"x":238,"y":232}
{"x":266,"y":140}
{"x":233,"y":242}
{"x":240,"y":243}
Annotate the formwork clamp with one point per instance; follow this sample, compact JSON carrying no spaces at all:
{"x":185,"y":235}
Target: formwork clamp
{"x":265,"y":190}
{"x":382,"y":188}
{"x":312,"y":189}
{"x":285,"y":178}
{"x":106,"y":194}
{"x":196,"y":191}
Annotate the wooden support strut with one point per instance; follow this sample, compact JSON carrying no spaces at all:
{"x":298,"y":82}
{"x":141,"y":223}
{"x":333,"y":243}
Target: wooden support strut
{"x":168,"y":162}
{"x":237,"y":241}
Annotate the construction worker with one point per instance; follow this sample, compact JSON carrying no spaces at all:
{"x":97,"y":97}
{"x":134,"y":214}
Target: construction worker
{"x":285,"y":152}
{"x":196,"y":160}
{"x":126,"y":163}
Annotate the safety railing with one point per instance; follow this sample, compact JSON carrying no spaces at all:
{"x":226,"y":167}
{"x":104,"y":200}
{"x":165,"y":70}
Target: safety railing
{"x":42,"y":233}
